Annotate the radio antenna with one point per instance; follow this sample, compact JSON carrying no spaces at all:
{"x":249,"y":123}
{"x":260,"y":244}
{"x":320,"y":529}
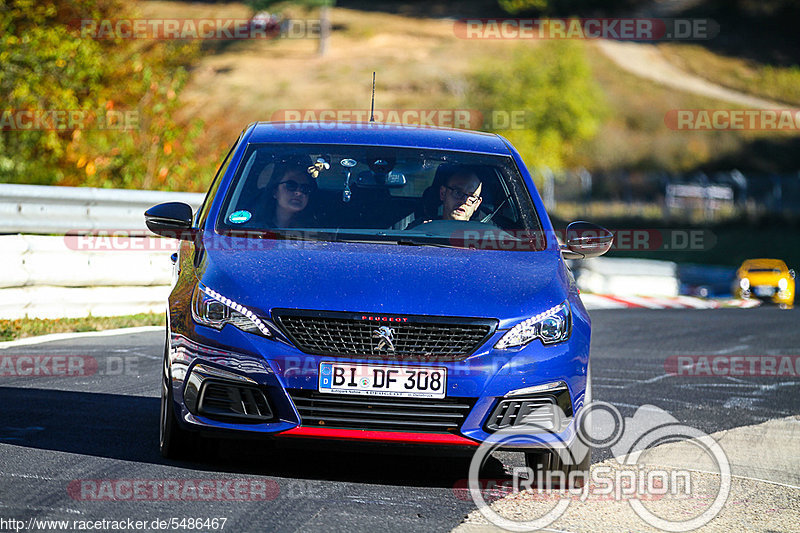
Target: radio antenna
{"x":372,"y":106}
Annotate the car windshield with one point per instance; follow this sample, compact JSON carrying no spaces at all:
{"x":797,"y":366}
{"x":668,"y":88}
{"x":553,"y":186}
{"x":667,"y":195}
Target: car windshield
{"x":380,"y":194}
{"x":765,"y":270}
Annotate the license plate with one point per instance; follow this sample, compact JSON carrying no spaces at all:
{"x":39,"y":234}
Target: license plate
{"x":382,"y":380}
{"x":764,"y":290}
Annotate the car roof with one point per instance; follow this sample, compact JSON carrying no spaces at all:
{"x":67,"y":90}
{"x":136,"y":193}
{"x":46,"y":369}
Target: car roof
{"x":379,"y":134}
{"x":764,"y":263}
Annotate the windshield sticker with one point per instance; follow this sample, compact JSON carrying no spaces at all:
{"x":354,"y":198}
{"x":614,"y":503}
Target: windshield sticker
{"x":240,"y":217}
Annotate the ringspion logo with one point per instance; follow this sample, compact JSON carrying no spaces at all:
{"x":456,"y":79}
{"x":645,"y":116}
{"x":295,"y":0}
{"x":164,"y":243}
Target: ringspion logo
{"x":629,"y":477}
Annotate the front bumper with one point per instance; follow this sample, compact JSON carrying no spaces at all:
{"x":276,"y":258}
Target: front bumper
{"x":280,"y":371}
{"x":776,"y":295}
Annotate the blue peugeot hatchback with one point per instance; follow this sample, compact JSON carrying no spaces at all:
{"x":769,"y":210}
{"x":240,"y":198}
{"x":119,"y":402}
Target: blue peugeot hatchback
{"x":377,"y":283}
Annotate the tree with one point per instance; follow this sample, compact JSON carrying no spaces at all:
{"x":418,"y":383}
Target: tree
{"x":550,"y":85}
{"x":49,"y":67}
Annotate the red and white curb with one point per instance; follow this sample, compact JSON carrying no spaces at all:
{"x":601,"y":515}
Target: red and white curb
{"x":608,"y":301}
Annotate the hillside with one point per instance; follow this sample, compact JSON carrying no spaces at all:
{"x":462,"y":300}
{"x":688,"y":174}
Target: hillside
{"x":421,"y":64}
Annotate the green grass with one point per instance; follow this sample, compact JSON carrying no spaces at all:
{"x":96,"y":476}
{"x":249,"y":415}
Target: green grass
{"x":29,"y":327}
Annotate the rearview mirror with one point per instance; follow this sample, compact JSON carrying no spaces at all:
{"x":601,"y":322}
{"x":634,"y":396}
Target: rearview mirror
{"x":585,"y":240}
{"x":172,"y":219}
{"x":373,"y":180}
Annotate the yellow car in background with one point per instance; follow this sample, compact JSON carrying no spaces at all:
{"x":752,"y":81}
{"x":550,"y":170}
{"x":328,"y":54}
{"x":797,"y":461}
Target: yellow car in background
{"x":769,"y":280}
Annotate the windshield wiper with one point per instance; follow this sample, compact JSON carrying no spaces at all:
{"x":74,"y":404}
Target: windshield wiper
{"x":405,"y":241}
{"x":395,"y":239}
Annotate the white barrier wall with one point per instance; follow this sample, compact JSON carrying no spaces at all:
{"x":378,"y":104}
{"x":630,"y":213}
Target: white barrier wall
{"x":73,"y":276}
{"x":57,"y":276}
{"x":29,"y":260}
{"x":627,"y":277}
{"x":71,"y":302}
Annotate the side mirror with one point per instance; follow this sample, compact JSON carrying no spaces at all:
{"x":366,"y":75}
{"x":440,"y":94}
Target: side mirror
{"x":585,"y":240}
{"x":172,"y":219}
{"x":791,"y":273}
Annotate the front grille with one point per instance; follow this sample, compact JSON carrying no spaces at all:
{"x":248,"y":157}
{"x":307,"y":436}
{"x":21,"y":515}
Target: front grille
{"x":224,"y":400}
{"x":413,"y":337}
{"x":380,"y":413}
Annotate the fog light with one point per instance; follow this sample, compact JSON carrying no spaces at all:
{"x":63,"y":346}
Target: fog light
{"x":545,"y":407}
{"x":536,"y":413}
{"x":199,"y":374}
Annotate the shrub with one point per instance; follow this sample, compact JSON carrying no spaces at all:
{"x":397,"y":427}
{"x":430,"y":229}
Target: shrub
{"x":553,"y":85}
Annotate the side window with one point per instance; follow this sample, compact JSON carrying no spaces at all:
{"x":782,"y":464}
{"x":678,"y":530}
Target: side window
{"x":202,"y":213}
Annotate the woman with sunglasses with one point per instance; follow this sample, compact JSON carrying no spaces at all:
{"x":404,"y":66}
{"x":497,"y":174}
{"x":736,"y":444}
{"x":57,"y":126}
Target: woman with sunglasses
{"x":290,"y":190}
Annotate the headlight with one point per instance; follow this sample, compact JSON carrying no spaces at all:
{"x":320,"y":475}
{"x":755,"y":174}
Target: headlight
{"x":744,"y":284}
{"x":554,"y":325}
{"x":783,"y":283}
{"x":211,"y":309}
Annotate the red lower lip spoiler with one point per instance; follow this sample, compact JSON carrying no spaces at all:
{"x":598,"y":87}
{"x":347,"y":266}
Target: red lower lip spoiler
{"x":380,"y":436}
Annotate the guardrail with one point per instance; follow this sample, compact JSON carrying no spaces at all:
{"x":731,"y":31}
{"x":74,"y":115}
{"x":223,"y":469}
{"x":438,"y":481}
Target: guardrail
{"x":34,"y":260}
{"x":41,"y":209}
{"x":52,"y":277}
{"x":55,"y":276}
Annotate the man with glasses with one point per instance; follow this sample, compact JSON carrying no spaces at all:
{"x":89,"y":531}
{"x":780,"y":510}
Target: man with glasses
{"x":460,"y":195}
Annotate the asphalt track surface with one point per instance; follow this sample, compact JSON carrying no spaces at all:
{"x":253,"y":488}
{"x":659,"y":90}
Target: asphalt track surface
{"x":56,"y":431}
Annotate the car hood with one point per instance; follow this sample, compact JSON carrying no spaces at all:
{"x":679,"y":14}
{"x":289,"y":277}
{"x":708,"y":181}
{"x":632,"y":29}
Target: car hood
{"x":386,"y":278}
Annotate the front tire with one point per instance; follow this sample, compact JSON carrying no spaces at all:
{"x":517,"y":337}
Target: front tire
{"x":569,"y":464}
{"x":174,"y":441}
{"x":560,"y":469}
